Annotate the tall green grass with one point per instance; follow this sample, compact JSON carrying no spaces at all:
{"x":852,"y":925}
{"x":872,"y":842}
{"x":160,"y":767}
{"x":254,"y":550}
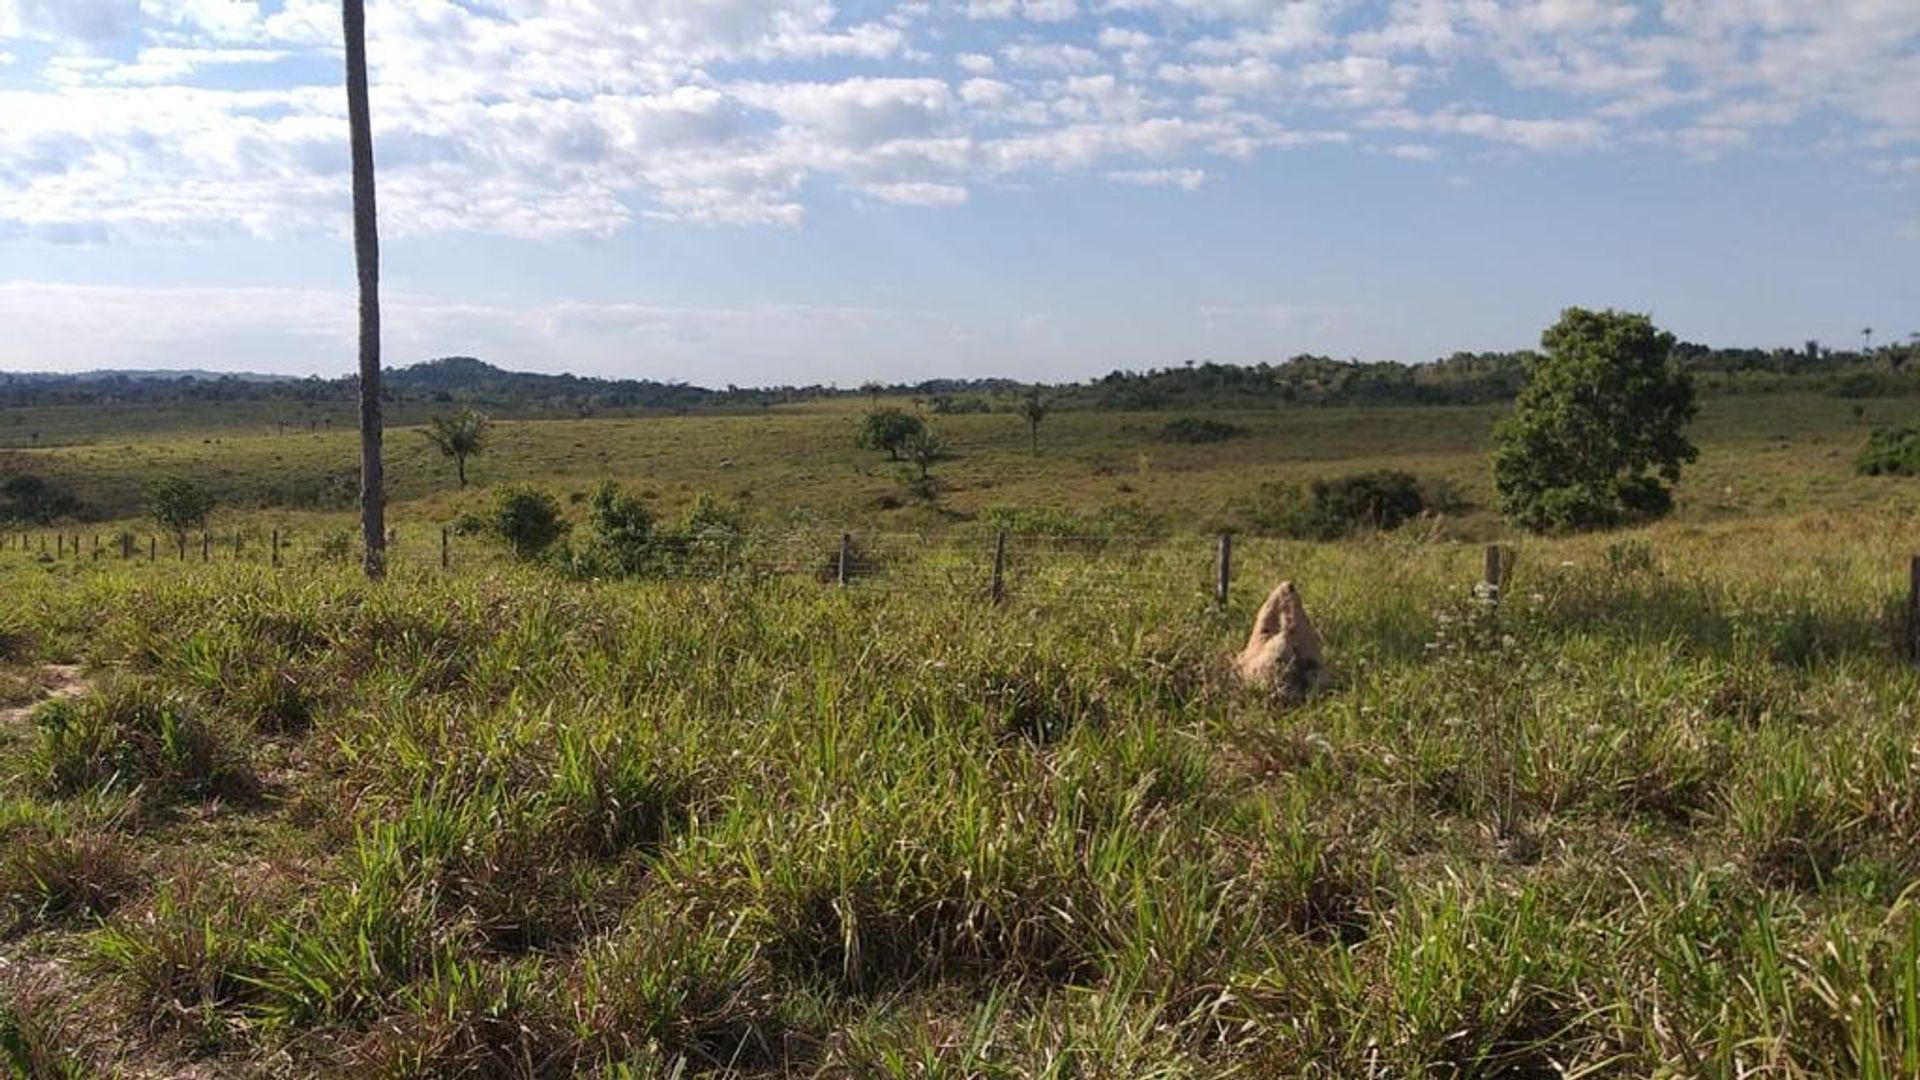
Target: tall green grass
{"x":1653,"y":816}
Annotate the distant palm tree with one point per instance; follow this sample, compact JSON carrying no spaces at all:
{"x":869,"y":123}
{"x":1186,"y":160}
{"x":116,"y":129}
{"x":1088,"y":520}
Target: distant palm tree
{"x":1034,"y":409}
{"x":366,"y":256}
{"x":459,"y":437}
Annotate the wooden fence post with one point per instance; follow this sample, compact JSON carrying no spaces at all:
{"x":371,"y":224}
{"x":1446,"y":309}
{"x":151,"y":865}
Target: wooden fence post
{"x":153,"y":548}
{"x":1913,"y":610}
{"x":274,"y":559}
{"x":446,"y":555}
{"x":60,"y":545}
{"x":843,"y":570}
{"x":1000,"y":567}
{"x":1223,"y":581}
{"x":1495,"y":573}
{"x":236,"y":545}
{"x":206,"y":547}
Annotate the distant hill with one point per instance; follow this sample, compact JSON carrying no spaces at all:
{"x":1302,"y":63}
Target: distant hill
{"x":1463,"y":378}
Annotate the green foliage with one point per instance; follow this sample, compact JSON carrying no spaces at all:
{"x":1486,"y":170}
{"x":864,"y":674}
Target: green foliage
{"x":890,"y":430}
{"x":179,"y":505}
{"x":1328,"y":509}
{"x":619,"y":539}
{"x":459,"y":437}
{"x":1197,"y":430}
{"x":27,"y":499}
{"x":134,"y":734}
{"x":1035,"y":408}
{"x":52,"y":868}
{"x":623,"y":539}
{"x":1890,"y":452}
{"x":1598,"y":434}
{"x":525,"y":518}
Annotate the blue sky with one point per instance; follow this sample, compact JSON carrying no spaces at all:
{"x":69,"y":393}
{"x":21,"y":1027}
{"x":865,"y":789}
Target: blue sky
{"x":767,"y":191}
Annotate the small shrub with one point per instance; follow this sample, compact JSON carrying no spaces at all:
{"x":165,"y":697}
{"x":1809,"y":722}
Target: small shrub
{"x":1890,"y":452}
{"x":1383,"y":499}
{"x":1197,"y":430}
{"x":620,"y":539}
{"x":1857,"y":384}
{"x":526,"y":519}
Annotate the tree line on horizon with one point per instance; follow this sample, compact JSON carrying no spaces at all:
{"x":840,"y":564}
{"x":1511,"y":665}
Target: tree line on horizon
{"x":1463,"y":378}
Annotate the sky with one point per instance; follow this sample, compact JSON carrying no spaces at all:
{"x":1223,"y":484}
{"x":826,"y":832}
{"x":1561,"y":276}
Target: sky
{"x":797,"y":191}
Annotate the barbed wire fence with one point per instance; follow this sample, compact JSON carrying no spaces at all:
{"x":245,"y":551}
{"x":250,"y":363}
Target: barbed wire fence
{"x":987,"y":565}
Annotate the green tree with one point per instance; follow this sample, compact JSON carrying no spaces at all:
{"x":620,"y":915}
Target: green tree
{"x":179,"y":506}
{"x":460,"y":436}
{"x":1598,"y":433}
{"x":366,"y":258}
{"x":526,"y":519}
{"x":889,"y":430}
{"x":1034,"y":409}
{"x":923,"y":450}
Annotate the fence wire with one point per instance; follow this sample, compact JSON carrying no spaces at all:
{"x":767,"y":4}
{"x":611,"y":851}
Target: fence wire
{"x":968,"y":563}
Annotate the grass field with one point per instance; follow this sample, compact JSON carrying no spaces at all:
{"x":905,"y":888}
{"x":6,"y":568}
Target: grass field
{"x":1657,"y":815}
{"x":1764,"y":454}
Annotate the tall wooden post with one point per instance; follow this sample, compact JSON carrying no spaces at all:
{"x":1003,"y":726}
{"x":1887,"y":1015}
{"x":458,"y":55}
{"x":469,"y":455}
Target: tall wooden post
{"x":206,"y":547}
{"x":274,"y":559}
{"x":1223,"y":581}
{"x":1495,"y":572}
{"x":446,"y":554}
{"x":1000,"y":567}
{"x":1913,"y":610}
{"x":843,"y":570}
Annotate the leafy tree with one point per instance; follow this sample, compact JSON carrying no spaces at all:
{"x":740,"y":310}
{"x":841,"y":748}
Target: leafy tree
{"x":525,"y":518}
{"x":366,"y":257}
{"x":460,"y":437}
{"x":1034,"y":409}
{"x":889,"y":430}
{"x":1599,"y":431}
{"x":179,"y":505}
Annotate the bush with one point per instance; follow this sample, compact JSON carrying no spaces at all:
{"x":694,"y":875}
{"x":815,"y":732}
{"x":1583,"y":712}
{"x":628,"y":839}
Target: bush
{"x":524,"y":518}
{"x":1857,"y":384}
{"x":1195,"y":430}
{"x":624,"y":540}
{"x":28,"y":499}
{"x":620,"y":536}
{"x":1383,"y":499}
{"x":1890,"y":452}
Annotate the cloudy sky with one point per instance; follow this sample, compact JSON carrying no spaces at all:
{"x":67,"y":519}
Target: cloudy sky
{"x":758,"y":191}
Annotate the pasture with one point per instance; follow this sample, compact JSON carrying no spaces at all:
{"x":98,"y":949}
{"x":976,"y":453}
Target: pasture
{"x":1653,"y":815}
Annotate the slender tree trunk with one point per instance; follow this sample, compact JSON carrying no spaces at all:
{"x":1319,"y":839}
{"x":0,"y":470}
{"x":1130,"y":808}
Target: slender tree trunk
{"x":366,"y":256}
{"x":460,"y":468}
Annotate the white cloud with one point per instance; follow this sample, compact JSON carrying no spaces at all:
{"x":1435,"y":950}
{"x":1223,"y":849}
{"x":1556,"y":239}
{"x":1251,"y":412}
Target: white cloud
{"x":1184,"y":179}
{"x":179,"y":118}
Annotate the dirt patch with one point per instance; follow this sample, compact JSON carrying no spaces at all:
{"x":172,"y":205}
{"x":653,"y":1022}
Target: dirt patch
{"x":54,"y":682}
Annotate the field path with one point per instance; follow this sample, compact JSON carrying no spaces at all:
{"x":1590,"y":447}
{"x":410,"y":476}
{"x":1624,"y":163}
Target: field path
{"x":58,"y":683}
